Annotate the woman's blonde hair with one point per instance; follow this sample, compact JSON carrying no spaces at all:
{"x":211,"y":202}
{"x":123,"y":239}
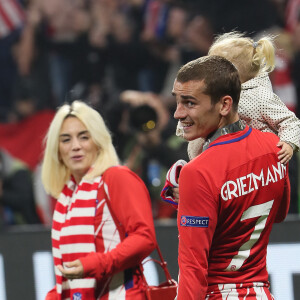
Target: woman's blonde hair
{"x":249,"y":57}
{"x":54,"y":173}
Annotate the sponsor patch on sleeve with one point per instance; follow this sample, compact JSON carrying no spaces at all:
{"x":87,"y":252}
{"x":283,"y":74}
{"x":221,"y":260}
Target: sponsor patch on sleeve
{"x":191,"y":221}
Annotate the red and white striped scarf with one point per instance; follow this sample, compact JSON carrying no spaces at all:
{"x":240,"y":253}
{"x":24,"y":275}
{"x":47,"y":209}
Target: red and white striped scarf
{"x":73,"y":235}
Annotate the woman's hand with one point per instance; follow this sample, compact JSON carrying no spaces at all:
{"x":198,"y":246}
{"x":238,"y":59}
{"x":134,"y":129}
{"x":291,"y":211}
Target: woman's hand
{"x":73,"y":270}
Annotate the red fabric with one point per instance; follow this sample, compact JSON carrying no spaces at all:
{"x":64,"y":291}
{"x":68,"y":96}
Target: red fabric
{"x":282,"y":73}
{"x":282,"y":82}
{"x":52,"y":295}
{"x":131,"y":205}
{"x":292,"y":15}
{"x":130,"y":202}
{"x":24,"y":139}
{"x":242,"y":292}
{"x":226,"y":191}
{"x":73,"y":225}
{"x":165,"y":210}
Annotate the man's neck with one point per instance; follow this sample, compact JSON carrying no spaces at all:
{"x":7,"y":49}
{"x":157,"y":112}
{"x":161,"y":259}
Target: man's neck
{"x":230,"y":128}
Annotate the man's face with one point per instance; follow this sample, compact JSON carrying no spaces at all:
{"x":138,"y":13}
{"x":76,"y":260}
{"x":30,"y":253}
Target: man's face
{"x":197,"y":115}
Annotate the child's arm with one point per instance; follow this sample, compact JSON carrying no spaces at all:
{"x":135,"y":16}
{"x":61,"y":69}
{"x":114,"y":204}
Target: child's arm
{"x":286,"y":152}
{"x":285,"y":123}
{"x":170,"y":192}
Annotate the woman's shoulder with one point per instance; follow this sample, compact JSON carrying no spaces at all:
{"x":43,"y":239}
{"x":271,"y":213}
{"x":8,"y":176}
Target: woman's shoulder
{"x":118,"y":171}
{"x":121,"y":176}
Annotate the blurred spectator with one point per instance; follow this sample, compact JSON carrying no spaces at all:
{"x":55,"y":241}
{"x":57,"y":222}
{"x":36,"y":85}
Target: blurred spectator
{"x":128,"y":56}
{"x":249,"y":16}
{"x":50,"y":44}
{"x":16,"y":192}
{"x":285,"y":88}
{"x":147,"y":144}
{"x":24,"y":100}
{"x":22,"y":141}
{"x":62,"y":50}
{"x":281,"y":77}
{"x":31,"y":59}
{"x":292,"y":26}
{"x":291,"y":13}
{"x":11,"y":21}
{"x":189,"y":35}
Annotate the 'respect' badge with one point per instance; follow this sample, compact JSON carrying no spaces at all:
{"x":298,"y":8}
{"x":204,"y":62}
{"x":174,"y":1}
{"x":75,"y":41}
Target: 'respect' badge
{"x":192,"y":221}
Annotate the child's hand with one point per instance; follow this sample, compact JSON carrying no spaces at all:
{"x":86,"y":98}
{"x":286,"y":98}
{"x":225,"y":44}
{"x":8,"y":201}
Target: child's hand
{"x":176,"y":194}
{"x":170,"y":191}
{"x":286,"y":152}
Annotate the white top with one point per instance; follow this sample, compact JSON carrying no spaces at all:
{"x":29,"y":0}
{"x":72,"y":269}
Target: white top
{"x":260,"y":108}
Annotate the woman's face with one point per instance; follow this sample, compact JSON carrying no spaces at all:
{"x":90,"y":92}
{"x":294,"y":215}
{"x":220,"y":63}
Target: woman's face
{"x":76,"y":148}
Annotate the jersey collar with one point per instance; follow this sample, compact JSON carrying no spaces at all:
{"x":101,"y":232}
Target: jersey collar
{"x":231,"y":128}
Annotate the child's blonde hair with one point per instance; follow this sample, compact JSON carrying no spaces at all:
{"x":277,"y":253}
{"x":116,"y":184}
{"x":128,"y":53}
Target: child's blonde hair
{"x":249,"y":57}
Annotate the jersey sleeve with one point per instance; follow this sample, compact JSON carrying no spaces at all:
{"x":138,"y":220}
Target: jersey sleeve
{"x":131,"y":205}
{"x":196,"y":206}
{"x":52,"y":295}
{"x":285,"y":202}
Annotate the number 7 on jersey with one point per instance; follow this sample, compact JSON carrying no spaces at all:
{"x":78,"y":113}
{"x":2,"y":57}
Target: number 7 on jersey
{"x":262,"y":211}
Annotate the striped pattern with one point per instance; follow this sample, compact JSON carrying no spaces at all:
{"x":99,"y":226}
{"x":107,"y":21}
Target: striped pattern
{"x":114,"y":287}
{"x":249,"y":291}
{"x":73,"y":234}
{"x":11,"y":17}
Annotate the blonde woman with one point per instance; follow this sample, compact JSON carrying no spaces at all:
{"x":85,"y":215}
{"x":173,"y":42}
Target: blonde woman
{"x":102,"y":224}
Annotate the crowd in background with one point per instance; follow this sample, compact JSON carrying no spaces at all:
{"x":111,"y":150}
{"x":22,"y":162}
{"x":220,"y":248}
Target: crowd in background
{"x":121,"y":57}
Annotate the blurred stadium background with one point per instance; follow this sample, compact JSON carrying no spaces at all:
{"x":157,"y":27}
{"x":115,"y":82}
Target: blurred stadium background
{"x":121,"y":57}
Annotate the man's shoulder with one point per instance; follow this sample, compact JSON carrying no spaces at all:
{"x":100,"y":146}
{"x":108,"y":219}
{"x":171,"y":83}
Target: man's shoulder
{"x":219,"y":155}
{"x":265,"y":135}
{"x":206,"y":161}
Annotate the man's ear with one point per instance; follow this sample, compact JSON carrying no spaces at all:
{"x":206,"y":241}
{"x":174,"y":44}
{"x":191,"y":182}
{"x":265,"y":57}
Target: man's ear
{"x":226,"y":105}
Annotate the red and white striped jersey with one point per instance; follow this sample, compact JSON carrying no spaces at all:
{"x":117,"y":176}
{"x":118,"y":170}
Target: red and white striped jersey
{"x":11,"y":17}
{"x":86,"y":226}
{"x":230,"y":196}
{"x":113,"y":264}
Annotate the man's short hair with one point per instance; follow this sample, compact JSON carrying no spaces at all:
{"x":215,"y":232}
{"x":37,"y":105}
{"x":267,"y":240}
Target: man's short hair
{"x":220,"y":76}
